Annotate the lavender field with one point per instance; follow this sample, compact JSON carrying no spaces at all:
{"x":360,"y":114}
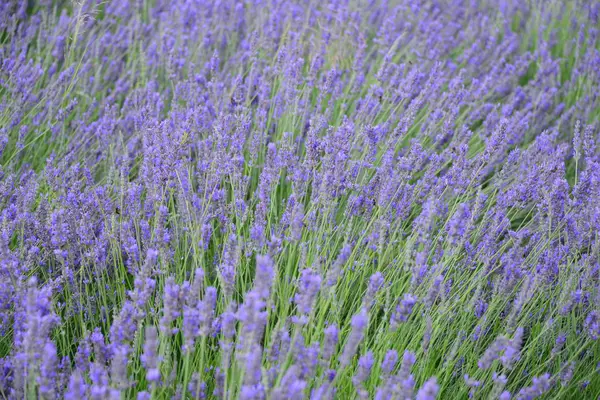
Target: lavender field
{"x":270,"y":199}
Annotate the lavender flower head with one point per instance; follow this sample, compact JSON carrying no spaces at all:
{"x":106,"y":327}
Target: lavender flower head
{"x":429,"y":390}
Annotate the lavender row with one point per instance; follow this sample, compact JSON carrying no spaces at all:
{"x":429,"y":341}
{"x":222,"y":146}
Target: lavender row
{"x":281,"y":200}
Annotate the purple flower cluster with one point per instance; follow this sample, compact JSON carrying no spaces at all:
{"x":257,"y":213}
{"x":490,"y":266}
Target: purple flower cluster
{"x":294,"y":199}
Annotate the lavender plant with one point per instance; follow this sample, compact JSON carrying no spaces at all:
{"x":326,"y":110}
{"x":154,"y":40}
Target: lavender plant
{"x":299,"y":199}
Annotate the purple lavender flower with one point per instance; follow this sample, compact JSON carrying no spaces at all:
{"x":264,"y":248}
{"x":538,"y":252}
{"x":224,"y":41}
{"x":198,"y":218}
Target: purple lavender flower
{"x":434,"y":291}
{"x":513,"y":347}
{"x":592,"y":324}
{"x":149,"y":357}
{"x":264,"y":275}
{"x":560,"y":341}
{"x":492,"y":353}
{"x":330,"y":342}
{"x":429,"y":390}
{"x":335,"y":270}
{"x":403,"y":310}
{"x":171,"y":308}
{"x":76,"y":388}
{"x":118,"y":367}
{"x":365,"y":363}
{"x":359,"y":324}
{"x":566,"y":373}
{"x":197,"y":388}
{"x":253,"y":317}
{"x":480,"y":308}
{"x":505,"y":395}
{"x":375,"y":283}
{"x":472,"y":384}
{"x":48,"y":375}
{"x":99,"y":388}
{"x":540,"y":385}
{"x":389,"y":362}
{"x":308,"y":289}
{"x":206,"y":311}
{"x":252,"y":387}
{"x":229,"y":263}
{"x":143,"y":395}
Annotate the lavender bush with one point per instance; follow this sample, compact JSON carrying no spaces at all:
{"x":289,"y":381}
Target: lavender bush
{"x":299,"y":200}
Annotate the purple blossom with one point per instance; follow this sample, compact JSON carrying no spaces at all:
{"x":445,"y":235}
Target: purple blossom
{"x":308,"y":289}
{"x":429,"y":390}
{"x":513,"y":347}
{"x":359,"y":324}
{"x":376,"y":282}
{"x":149,"y":357}
{"x":365,"y":363}
{"x":48,"y":371}
{"x":540,"y":385}
{"x":434,"y":291}
{"x":264,"y":275}
{"x":196,"y":388}
{"x":389,"y":362}
{"x":330,"y":342}
{"x":492,"y":353}
{"x":171,"y":308}
{"x":592,"y":324}
{"x":403,"y":310}
{"x":335,"y":270}
{"x":77,"y":387}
